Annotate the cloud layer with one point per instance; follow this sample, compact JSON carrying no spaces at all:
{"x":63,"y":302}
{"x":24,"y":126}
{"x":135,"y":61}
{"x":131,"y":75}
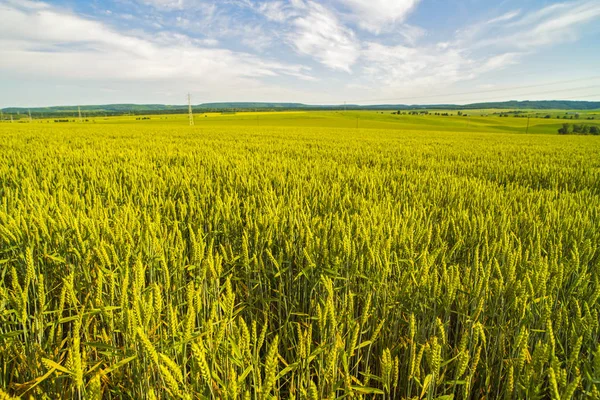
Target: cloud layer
{"x":272,"y":47}
{"x":65,"y":45}
{"x":379,"y":15}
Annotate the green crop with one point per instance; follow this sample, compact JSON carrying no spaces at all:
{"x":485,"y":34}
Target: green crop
{"x":162,"y":261}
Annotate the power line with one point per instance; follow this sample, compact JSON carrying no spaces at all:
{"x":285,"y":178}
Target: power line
{"x":484,"y":91}
{"x":530,"y":94}
{"x":550,"y":91}
{"x":502,"y":90}
{"x":583,"y":97}
{"x":562,"y":98}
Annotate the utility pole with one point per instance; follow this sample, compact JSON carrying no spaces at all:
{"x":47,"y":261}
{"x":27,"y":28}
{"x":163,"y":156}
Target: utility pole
{"x":30,"y":119}
{"x":527,"y":130}
{"x":11,"y":119}
{"x":191,"y":115}
{"x":79,"y":111}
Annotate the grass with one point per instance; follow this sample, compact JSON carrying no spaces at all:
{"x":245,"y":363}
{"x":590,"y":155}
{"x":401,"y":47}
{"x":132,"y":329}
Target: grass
{"x":303,"y":258}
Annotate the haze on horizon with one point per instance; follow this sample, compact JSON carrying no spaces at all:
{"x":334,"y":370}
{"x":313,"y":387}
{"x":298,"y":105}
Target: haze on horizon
{"x":65,"y":52}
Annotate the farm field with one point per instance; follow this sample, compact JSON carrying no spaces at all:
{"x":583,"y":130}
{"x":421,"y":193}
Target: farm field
{"x":294,"y":255}
{"x":476,"y":121}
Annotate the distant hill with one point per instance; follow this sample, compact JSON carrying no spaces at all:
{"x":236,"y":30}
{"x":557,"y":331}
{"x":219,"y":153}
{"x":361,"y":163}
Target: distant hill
{"x":107,"y":108}
{"x":120,"y":109}
{"x":540,"y":105}
{"x":514,"y":105}
{"x":245,"y":106}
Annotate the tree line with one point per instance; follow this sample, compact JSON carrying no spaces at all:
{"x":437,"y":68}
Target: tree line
{"x":579,"y":129}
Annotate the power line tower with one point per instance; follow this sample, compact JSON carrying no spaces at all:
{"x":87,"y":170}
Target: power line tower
{"x":79,"y":110}
{"x":191,"y":115}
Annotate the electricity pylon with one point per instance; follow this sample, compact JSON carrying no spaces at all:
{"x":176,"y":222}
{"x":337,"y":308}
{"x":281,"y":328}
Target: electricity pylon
{"x":191,"y":115}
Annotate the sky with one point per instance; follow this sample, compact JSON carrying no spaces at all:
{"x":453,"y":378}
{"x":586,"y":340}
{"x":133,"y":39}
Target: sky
{"x":67,"y":52}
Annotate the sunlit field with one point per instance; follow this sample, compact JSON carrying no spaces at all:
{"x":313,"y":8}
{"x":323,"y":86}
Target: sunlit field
{"x":321,"y":255}
{"x":470,"y":121}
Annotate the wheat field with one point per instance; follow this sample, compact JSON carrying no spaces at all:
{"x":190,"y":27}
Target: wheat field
{"x":257,"y":263}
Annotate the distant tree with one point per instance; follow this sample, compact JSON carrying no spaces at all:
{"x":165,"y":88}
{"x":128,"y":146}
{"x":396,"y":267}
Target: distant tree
{"x":566,"y":129}
{"x":459,"y":113}
{"x":548,"y":116}
{"x":581,"y":129}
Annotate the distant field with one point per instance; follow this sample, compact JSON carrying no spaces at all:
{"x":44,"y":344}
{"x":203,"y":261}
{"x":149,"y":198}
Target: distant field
{"x":476,"y":121}
{"x":296,"y":256}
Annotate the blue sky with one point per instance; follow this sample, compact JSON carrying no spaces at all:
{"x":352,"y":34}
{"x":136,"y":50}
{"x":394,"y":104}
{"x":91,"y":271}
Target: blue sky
{"x":326,"y":52}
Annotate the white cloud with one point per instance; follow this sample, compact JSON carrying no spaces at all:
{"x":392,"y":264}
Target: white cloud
{"x":256,"y":38}
{"x":319,"y":33}
{"x":489,"y":46}
{"x":208,"y":42}
{"x":64,"y":45}
{"x":554,"y":24}
{"x":413,"y":70}
{"x":411,"y":33}
{"x":278,"y":11}
{"x":166,"y":4}
{"x":379,"y":15}
{"x":314,"y":30}
{"x":500,"y":61}
{"x":544,"y":13}
{"x":410,"y":67}
{"x":504,"y":17}
{"x":557,"y":24}
{"x":28,"y":4}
